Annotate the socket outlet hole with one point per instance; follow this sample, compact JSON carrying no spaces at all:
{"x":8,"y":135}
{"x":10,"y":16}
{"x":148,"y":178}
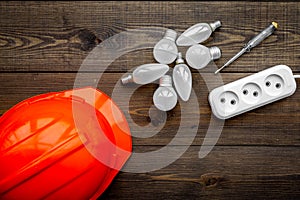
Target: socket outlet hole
{"x":223,"y":100}
{"x":255,"y":93}
{"x":233,"y":102}
{"x":268,"y":83}
{"x":278,"y":85}
{"x":245,"y":92}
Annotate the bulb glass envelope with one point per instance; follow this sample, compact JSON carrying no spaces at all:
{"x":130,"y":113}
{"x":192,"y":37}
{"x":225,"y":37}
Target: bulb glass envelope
{"x":165,"y":51}
{"x":50,"y":151}
{"x":197,"y":33}
{"x":182,"y":78}
{"x":198,"y":56}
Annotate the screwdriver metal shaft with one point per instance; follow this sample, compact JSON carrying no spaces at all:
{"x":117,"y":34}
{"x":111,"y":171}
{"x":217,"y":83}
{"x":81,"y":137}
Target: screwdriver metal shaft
{"x":252,"y":43}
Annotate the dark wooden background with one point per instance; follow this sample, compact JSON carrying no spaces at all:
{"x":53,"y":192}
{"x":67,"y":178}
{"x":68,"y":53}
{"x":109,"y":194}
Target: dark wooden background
{"x":42,"y":45}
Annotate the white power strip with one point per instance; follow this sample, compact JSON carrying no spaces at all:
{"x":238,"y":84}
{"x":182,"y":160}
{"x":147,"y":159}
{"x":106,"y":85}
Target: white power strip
{"x":252,"y":91}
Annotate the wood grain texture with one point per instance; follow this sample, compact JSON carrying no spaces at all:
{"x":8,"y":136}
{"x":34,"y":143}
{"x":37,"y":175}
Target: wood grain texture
{"x":226,"y":173}
{"x":257,"y":127}
{"x":43,"y":44}
{"x":58,"y":36}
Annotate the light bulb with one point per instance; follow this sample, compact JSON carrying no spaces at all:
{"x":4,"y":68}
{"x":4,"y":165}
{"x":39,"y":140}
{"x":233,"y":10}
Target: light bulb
{"x":197,"y":33}
{"x":198,"y":56}
{"x":146,"y":73}
{"x":182,"y":79}
{"x":165,"y":51}
{"x":165,"y":97}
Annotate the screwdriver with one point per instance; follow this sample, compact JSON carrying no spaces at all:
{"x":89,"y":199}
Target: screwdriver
{"x":252,"y":43}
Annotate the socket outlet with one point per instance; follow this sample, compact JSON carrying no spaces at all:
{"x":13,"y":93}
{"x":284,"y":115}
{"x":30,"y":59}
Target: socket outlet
{"x":252,"y":92}
{"x":274,"y":85}
{"x":229,"y":101}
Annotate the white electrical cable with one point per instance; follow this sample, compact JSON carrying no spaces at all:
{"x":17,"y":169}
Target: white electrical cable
{"x":296,"y":76}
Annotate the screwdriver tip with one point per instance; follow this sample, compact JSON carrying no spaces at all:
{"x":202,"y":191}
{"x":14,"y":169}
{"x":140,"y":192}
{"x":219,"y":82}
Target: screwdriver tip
{"x":217,"y":71}
{"x":275,"y":24}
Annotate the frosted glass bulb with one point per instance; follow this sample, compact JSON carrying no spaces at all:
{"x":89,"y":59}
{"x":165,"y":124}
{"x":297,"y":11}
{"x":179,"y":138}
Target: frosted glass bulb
{"x":165,"y":51}
{"x":197,"y":33}
{"x":198,"y":56}
{"x":182,"y":79}
{"x":146,"y":73}
{"x":165,"y":97}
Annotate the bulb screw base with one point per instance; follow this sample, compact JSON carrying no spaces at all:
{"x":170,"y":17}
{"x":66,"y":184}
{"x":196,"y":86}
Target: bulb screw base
{"x":127,"y":79}
{"x":215,"y":25}
{"x":165,"y":81}
{"x":170,"y":34}
{"x":179,"y":59}
{"x":215,"y":53}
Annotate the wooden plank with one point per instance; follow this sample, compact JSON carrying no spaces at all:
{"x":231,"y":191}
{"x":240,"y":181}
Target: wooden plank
{"x":226,"y":173}
{"x":58,"y":36}
{"x":275,"y":124}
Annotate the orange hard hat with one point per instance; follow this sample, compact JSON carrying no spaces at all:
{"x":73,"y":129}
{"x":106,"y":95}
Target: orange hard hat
{"x":62,"y":145}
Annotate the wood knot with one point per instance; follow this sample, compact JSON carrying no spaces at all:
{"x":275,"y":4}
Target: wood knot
{"x":211,"y":180}
{"x":88,"y":40}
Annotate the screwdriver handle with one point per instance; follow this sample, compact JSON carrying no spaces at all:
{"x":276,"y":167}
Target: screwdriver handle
{"x":261,"y":36}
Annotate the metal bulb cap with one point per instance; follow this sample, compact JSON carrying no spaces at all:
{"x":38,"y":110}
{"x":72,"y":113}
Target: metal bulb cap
{"x":127,"y":79}
{"x":179,"y":59}
{"x":215,"y":53}
{"x":165,"y":81}
{"x":215,"y":25}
